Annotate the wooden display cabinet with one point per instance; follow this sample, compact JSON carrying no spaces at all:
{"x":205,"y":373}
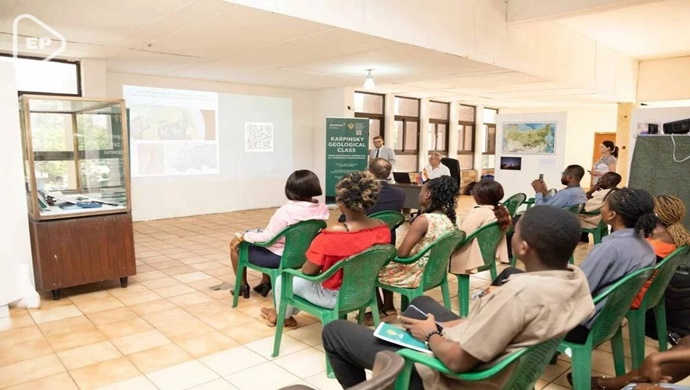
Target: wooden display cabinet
{"x":76,"y":161}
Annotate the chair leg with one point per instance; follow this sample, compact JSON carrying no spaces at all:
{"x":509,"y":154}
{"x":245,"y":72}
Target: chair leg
{"x":360,"y":315}
{"x":636,"y":330}
{"x":464,"y":294}
{"x":660,"y":316}
{"x":582,"y":368}
{"x":375,"y":311}
{"x":403,"y":380}
{"x":279,"y":327}
{"x":618,"y":353}
{"x":492,"y":270}
{"x":446,"y":294}
{"x":325,"y":320}
{"x":596,"y":235}
{"x":241,"y":269}
{"x":513,"y":260}
{"x":404,"y":302}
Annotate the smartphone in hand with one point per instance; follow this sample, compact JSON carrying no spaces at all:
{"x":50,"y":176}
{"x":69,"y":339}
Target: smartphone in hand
{"x":414,"y":312}
{"x":541,"y":177}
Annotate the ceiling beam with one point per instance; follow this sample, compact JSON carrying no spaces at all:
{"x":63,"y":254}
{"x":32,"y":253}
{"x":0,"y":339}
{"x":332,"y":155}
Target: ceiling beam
{"x":520,"y":11}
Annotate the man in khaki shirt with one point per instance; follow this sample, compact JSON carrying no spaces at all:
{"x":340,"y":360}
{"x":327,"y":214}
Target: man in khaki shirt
{"x":546,"y":301}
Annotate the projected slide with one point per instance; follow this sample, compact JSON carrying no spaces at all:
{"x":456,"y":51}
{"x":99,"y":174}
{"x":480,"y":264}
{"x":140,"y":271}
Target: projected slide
{"x":172,"y":132}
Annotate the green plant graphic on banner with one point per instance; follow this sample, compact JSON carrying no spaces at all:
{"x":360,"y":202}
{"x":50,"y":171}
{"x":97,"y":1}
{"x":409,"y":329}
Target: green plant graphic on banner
{"x":347,"y":148}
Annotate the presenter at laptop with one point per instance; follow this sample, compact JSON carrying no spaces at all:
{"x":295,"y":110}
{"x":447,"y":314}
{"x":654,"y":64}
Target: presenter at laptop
{"x":434,"y":169}
{"x":382,"y":151}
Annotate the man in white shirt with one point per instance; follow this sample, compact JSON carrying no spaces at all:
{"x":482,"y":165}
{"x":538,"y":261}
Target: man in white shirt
{"x":381,"y":151}
{"x":434,"y":169}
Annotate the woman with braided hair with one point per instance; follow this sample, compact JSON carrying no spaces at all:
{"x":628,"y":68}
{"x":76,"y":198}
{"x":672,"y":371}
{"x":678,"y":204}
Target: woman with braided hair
{"x":438,"y":199}
{"x":669,"y":232}
{"x":487,"y":194}
{"x":354,"y":194}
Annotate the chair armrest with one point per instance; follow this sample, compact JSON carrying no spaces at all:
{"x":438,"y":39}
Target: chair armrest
{"x":593,"y":212}
{"x":266,"y":244}
{"x":437,"y":365}
{"x":408,"y":260}
{"x":315,"y":278}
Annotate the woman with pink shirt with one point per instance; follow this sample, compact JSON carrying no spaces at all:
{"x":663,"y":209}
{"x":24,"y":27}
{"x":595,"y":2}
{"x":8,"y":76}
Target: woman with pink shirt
{"x":300,"y":189}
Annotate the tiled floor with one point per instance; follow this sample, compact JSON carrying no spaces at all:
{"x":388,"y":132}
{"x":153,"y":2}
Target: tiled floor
{"x":168,"y":330}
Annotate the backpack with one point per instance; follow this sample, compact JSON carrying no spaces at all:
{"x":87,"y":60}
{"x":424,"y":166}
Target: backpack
{"x":677,"y":298}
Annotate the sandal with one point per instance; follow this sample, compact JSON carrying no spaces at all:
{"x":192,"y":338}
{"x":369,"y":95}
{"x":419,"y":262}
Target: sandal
{"x":271,"y":318}
{"x":384,"y":315}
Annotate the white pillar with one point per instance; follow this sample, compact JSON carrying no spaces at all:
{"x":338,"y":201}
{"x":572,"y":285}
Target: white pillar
{"x":423,"y":133}
{"x":479,"y":139}
{"x":15,"y":244}
{"x":390,"y":133}
{"x":453,"y":129}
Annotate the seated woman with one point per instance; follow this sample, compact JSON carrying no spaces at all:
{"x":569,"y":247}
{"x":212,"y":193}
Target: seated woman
{"x":487,"y":194}
{"x":438,"y":199}
{"x":668,"y":234}
{"x":300,"y":189}
{"x":630,"y":212}
{"x":355,"y":193}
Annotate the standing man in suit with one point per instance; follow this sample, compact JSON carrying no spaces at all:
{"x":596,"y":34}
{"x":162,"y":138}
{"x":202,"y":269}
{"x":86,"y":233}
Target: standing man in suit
{"x":390,"y":198}
{"x":382,"y":151}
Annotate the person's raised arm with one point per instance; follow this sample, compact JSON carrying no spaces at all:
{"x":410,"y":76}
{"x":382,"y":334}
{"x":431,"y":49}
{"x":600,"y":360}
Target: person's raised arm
{"x":417,"y":230}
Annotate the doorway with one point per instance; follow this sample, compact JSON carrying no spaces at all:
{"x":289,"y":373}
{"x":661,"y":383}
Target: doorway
{"x":599,"y":138}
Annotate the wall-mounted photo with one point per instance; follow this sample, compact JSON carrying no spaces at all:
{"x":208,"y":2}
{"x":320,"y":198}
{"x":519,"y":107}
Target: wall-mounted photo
{"x":511,"y":163}
{"x":529,"y":137}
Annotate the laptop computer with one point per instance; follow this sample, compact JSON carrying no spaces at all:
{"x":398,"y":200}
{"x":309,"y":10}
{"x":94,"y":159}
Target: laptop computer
{"x":402,"y":177}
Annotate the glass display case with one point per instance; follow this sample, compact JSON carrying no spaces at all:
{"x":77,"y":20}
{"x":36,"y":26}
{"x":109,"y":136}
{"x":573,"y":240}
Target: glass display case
{"x":76,"y":164}
{"x":76,"y":156}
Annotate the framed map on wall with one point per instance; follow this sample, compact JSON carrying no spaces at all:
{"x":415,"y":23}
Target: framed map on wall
{"x":529,"y":137}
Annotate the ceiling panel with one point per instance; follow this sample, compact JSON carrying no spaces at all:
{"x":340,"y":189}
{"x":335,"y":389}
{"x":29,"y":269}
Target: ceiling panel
{"x":143,"y":62}
{"x":238,"y":30}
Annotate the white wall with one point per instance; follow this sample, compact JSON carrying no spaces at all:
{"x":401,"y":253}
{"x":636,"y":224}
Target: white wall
{"x":15,"y":245}
{"x":551,"y":165}
{"x":195,"y":195}
{"x":582,"y":123}
{"x":664,"y":79}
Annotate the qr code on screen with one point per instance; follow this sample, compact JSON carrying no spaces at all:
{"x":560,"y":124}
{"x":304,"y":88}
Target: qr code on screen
{"x":258,"y":137}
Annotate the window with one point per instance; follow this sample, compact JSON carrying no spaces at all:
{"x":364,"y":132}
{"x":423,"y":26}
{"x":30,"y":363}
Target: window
{"x":54,"y":77}
{"x":438,"y":126}
{"x":489,"y":130}
{"x":407,"y":125}
{"x":371,"y":106}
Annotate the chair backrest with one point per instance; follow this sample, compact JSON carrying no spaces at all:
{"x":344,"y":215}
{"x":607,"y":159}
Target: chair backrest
{"x":387,"y":366}
{"x":514,"y":202}
{"x":664,"y":273}
{"x":531,"y":364}
{"x":359,"y":276}
{"x":392,"y":218}
{"x":618,"y":299}
{"x":454,"y":168}
{"x":298,"y":237}
{"x":488,"y":237}
{"x":439,"y":253}
{"x":577,"y":208}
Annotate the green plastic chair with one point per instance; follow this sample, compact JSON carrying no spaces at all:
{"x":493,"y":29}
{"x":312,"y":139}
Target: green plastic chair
{"x":599,"y":232}
{"x":653,"y":299}
{"x":392,"y":218}
{"x":514,"y":202}
{"x":435,"y":271}
{"x":360,"y":272}
{"x":488,"y":237}
{"x":529,"y":366}
{"x":607,"y":326}
{"x":298,"y":237}
{"x":577,"y":208}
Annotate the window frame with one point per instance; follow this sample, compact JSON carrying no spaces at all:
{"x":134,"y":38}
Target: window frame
{"x":433,"y":122}
{"x":405,"y":119}
{"x":380,"y":117}
{"x":490,"y":125}
{"x":461,"y":142}
{"x":76,"y":63}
